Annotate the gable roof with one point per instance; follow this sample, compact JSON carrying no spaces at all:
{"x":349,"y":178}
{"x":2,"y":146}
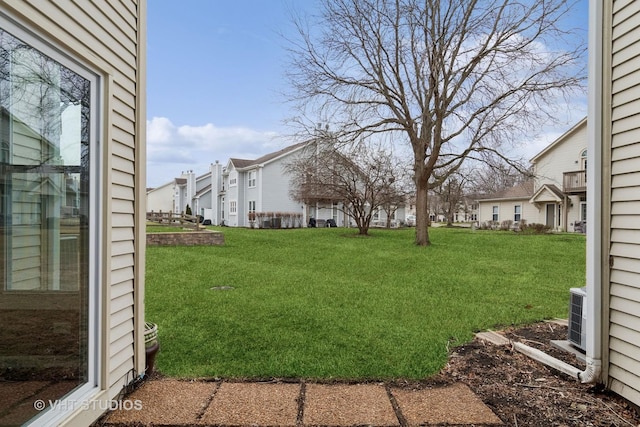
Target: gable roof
{"x":203,"y":191}
{"x":245,"y":164}
{"x":521,"y":191}
{"x":561,"y":139}
{"x":547,"y":193}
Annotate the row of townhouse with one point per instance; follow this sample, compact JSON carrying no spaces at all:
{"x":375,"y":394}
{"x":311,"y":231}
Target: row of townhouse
{"x":228,"y":194}
{"x":232,"y":194}
{"x":556,"y":196}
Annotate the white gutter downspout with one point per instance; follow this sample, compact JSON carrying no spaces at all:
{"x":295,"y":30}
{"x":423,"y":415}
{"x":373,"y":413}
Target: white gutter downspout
{"x":595,"y":147}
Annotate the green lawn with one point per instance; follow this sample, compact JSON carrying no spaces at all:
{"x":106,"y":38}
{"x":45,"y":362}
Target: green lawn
{"x":325,"y":303}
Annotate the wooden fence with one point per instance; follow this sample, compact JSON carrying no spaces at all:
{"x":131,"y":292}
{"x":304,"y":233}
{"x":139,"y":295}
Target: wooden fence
{"x":174,"y":219}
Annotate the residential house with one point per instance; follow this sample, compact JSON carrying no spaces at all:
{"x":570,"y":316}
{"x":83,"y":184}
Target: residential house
{"x":258,"y":186}
{"x":72,"y":233}
{"x":556,"y":197}
{"x":560,"y":180}
{"x":160,"y":199}
{"x":457,"y":207}
{"x":613,"y":184}
{"x":234,"y":193}
{"x":511,"y":205}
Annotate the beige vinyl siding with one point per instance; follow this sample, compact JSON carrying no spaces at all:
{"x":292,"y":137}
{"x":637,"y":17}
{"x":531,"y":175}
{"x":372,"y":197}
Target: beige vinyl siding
{"x":624,"y":291}
{"x":26,"y":216}
{"x":506,"y":210}
{"x":105,"y":35}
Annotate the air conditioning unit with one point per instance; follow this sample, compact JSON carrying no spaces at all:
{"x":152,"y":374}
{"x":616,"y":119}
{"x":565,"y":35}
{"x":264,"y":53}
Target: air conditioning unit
{"x":578,"y":318}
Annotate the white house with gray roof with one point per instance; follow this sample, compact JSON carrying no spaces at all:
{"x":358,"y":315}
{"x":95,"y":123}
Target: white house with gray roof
{"x":228,"y":193}
{"x":557,"y":194}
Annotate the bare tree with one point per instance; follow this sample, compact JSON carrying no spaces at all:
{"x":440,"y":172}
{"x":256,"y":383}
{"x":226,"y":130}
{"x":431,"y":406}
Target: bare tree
{"x":451,"y":194}
{"x":452,"y":79}
{"x":490,"y":179}
{"x":396,"y":191}
{"x":361,"y":178}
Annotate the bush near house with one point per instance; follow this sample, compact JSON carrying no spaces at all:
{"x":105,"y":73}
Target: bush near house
{"x":332,"y":304}
{"x":521,"y":226}
{"x":277,"y":219}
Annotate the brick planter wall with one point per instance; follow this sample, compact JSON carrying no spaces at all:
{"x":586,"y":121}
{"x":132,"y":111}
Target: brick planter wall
{"x":188,"y":238}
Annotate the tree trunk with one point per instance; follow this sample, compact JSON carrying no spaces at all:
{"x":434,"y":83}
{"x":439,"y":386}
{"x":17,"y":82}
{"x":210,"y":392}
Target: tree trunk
{"x":422,"y":213}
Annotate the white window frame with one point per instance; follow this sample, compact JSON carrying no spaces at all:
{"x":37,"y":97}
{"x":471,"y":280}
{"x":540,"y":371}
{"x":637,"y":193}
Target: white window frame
{"x":252,"y":178}
{"x":92,"y":387}
{"x":583,"y":211}
{"x":233,"y":207}
{"x":583,"y":160}
{"x":495,"y":213}
{"x":517,"y":213}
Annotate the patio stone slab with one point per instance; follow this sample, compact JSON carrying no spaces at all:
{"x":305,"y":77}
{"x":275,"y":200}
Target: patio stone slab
{"x":167,"y":402}
{"x":454,"y":404}
{"x":262,"y":404}
{"x":348,"y":405}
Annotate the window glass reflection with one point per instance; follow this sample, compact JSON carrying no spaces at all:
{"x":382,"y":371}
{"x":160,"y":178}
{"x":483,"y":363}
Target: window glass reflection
{"x":44,"y":234}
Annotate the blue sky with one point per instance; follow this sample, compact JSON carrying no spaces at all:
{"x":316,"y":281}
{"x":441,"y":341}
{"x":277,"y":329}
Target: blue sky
{"x":215,"y":79}
{"x":214,"y":82}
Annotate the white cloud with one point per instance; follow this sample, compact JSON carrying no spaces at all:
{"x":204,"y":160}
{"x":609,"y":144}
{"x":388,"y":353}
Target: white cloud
{"x":172,"y":149}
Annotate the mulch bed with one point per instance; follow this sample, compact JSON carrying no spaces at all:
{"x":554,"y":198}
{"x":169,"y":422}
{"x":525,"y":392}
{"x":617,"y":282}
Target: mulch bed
{"x":524,"y":392}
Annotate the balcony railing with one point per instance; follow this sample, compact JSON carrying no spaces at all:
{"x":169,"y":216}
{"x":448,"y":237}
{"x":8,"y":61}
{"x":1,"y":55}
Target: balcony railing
{"x":575,"y":182}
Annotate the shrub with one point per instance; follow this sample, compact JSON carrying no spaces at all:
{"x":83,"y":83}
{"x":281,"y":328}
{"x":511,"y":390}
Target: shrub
{"x":506,"y":225}
{"x":522,"y":225}
{"x":535,"y":228}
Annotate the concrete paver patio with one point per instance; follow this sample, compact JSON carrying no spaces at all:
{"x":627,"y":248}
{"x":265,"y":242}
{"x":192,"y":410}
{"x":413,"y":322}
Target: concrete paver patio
{"x":226,"y":403}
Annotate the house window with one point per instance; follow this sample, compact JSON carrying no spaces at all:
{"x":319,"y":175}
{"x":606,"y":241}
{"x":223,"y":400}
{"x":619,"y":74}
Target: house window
{"x":494,"y":216}
{"x":583,"y":211}
{"x":233,"y":179}
{"x":376,"y":215}
{"x":233,"y":207}
{"x":517,"y":211}
{"x":252,"y":179}
{"x":252,"y":206}
{"x":583,"y":160}
{"x":48,"y":216}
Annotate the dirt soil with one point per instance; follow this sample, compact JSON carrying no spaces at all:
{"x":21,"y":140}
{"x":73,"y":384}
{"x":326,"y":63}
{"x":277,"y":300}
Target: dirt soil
{"x":524,"y":392}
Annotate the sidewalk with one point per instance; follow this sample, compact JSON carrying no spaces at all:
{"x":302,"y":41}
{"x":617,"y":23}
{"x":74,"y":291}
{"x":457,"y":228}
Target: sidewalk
{"x":225,"y":403}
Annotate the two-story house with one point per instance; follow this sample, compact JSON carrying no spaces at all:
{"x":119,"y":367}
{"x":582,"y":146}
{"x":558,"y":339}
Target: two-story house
{"x":235,"y":193}
{"x":255,"y":186}
{"x":556,"y":196}
{"x":560,"y":176}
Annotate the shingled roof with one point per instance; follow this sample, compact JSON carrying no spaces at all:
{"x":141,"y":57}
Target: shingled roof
{"x":244,"y":163}
{"x":521,"y":191}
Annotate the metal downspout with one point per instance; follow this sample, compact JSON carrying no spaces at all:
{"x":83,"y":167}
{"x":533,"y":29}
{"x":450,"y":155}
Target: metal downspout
{"x":595,"y":120}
